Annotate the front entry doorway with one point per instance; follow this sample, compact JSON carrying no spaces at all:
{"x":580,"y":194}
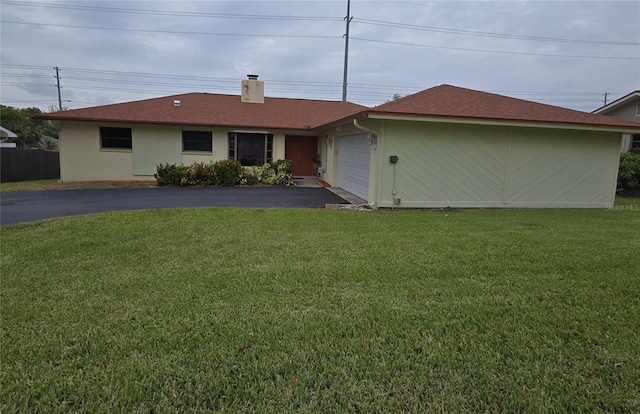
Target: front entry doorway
{"x":302,"y":153}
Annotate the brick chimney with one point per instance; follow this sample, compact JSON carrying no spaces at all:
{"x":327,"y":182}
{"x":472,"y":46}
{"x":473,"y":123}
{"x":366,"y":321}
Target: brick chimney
{"x":252,"y":90}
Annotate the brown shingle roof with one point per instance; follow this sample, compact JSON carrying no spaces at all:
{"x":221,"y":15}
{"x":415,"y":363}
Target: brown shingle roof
{"x":205,"y":109}
{"x":454,"y":102}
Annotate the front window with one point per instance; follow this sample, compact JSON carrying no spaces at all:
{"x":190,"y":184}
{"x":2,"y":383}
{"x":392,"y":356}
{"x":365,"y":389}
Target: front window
{"x":250,"y":148}
{"x":199,"y":141}
{"x":115,"y":138}
{"x":635,"y":141}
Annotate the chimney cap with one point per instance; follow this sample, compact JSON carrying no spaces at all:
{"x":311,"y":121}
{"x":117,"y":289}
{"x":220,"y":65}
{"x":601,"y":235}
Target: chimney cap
{"x":252,"y":77}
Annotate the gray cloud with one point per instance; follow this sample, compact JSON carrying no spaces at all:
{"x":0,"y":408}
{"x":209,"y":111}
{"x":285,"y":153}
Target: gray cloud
{"x":312,"y":67}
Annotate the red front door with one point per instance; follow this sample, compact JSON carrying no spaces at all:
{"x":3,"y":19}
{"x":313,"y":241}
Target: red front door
{"x":301,"y":151}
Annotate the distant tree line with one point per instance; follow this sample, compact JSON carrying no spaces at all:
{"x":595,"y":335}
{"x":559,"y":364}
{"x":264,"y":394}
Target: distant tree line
{"x":32,"y":133}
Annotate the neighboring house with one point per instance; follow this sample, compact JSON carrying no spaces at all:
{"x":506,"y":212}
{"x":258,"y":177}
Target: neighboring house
{"x":4,"y":135}
{"x":627,"y":108}
{"x":442,"y":147}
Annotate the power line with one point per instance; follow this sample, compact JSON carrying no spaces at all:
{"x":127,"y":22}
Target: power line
{"x":494,"y":51}
{"x":487,"y":34}
{"x":117,"y":29}
{"x":177,"y":77}
{"x":528,"y":15}
{"x":172,"y":12}
{"x":322,"y":37}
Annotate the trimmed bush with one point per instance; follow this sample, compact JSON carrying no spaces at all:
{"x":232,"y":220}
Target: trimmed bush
{"x":170,"y":174}
{"x":225,"y":173}
{"x":248,"y":176}
{"x":228,"y":172}
{"x":202,"y":174}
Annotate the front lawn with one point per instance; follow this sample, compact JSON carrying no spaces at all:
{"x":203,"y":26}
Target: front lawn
{"x":270,"y":310}
{"x":39,"y":185}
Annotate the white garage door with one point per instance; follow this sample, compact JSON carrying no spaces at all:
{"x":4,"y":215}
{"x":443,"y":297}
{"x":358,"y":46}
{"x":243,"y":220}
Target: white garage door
{"x":353,"y":164}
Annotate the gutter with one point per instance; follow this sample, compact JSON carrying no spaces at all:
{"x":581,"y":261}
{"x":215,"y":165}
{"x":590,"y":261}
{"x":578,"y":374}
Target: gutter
{"x":372,"y":135}
{"x":364,"y":128}
{"x":505,"y":122}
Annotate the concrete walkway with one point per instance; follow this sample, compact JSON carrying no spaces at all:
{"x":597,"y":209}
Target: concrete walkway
{"x":313,"y":182}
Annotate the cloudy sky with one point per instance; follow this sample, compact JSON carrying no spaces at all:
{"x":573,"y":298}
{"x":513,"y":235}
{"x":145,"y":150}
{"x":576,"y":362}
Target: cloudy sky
{"x":565,"y":53}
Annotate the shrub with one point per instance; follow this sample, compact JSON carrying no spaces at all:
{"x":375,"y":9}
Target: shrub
{"x":170,"y":174}
{"x":224,"y":172}
{"x":228,"y":172}
{"x":248,"y":176}
{"x":202,"y":174}
{"x":629,"y":170}
{"x":275,"y":173}
{"x":284,"y":166}
{"x":284,"y":173}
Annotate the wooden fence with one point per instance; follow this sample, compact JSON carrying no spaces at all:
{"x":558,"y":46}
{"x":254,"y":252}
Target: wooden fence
{"x":28,"y":165}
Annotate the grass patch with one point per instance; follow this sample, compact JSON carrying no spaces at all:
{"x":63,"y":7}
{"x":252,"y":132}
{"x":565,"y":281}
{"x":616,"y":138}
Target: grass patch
{"x":39,"y":185}
{"x":322,"y":311}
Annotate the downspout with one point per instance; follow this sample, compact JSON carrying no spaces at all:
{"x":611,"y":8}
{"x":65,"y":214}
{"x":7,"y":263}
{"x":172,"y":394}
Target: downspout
{"x":364,"y":128}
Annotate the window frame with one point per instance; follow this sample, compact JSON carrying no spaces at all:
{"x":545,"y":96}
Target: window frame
{"x":209,"y":137}
{"x":107,"y":133}
{"x":233,"y":145}
{"x":635,"y":141}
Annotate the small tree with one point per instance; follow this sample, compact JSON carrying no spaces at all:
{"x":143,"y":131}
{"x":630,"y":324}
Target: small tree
{"x":48,"y":143}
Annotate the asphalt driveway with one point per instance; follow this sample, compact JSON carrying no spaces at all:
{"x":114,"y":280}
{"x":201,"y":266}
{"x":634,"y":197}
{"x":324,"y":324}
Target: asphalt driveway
{"x":21,"y":207}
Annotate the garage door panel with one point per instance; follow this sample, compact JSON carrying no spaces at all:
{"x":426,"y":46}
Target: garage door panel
{"x":353,"y":164}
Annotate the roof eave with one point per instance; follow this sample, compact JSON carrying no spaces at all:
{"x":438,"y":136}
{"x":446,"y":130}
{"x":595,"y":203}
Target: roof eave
{"x":341,"y":121}
{"x":210,"y":125}
{"x":502,"y":122}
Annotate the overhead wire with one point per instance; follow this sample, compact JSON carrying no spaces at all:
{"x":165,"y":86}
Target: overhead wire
{"x":171,"y":12}
{"x":486,"y":34}
{"x":275,"y":35}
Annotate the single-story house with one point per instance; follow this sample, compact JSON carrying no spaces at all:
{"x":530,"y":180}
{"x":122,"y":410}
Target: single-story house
{"x":126,"y":141}
{"x":627,"y":108}
{"x":442,"y":147}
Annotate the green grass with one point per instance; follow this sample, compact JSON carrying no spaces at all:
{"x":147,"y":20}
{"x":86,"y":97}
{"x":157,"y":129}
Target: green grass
{"x":39,"y":185}
{"x":28,"y":185}
{"x":233,"y":310}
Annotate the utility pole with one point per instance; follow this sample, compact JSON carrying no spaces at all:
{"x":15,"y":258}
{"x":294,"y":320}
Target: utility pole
{"x":58,"y":86}
{"x":346,"y":52}
{"x":605,"y":97}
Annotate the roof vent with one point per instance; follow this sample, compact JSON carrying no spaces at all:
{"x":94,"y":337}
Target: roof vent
{"x":176,"y":102}
{"x":252,"y":77}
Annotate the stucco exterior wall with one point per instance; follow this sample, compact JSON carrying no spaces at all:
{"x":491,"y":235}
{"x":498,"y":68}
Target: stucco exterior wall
{"x":153,"y":145}
{"x":452,"y":165}
{"x":82,"y":159}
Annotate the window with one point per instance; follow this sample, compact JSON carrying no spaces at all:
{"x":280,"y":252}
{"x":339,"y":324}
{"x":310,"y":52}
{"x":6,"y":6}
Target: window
{"x":250,"y":149}
{"x":635,"y":141}
{"x":200,"y":141}
{"x":116,"y":138}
